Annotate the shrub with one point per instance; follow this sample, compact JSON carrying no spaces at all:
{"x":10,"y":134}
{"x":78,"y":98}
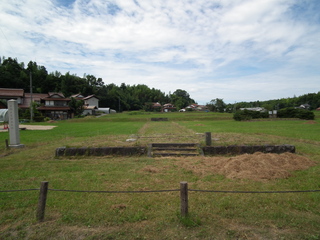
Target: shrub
{"x":296,"y":113}
{"x":245,"y":115}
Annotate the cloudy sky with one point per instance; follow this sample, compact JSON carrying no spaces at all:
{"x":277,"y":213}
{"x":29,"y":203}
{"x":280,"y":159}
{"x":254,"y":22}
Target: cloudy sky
{"x":238,"y":50}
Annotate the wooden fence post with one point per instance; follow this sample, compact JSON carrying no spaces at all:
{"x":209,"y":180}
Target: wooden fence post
{"x":42,"y":201}
{"x":208,"y":138}
{"x":184,"y":198}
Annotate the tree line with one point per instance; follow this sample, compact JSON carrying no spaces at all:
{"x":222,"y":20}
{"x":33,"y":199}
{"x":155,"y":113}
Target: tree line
{"x":312,"y":99}
{"x":124,"y":97}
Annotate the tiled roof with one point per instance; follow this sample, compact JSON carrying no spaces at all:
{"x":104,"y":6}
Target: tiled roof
{"x":11,"y":92}
{"x":55,"y":93}
{"x":91,"y":96}
{"x":55,"y":99}
{"x":53,"y":108}
{"x":35,"y":97}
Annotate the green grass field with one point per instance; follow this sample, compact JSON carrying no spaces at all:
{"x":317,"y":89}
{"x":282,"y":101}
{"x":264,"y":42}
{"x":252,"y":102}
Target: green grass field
{"x":74,"y":215}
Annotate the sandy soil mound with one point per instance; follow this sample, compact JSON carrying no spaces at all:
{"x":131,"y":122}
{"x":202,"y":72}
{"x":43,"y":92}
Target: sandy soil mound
{"x":258,"y":166}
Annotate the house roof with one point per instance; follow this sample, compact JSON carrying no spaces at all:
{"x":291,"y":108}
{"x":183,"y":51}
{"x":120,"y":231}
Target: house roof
{"x":90,"y":107}
{"x":35,"y":97}
{"x":11,"y":92}
{"x":91,"y":96}
{"x":79,"y":95}
{"x":51,"y":94}
{"x":55,"y":99}
{"x":53,"y":108}
{"x":51,"y":97}
{"x":156,"y":104}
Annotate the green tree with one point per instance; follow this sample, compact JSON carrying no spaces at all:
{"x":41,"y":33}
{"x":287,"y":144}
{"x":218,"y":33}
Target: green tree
{"x":180,"y":99}
{"x":217,"y":105}
{"x":76,"y":106}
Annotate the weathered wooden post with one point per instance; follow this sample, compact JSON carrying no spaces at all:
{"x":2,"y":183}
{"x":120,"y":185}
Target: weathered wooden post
{"x":208,"y":138}
{"x":184,"y":198}
{"x":42,"y":201}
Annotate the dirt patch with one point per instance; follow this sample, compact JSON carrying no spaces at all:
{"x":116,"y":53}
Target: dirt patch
{"x":257,"y":166}
{"x":36,"y":127}
{"x":30,"y":127}
{"x":310,"y":122}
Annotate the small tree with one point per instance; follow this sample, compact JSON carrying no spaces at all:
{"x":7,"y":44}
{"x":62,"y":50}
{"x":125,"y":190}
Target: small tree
{"x":76,"y":106}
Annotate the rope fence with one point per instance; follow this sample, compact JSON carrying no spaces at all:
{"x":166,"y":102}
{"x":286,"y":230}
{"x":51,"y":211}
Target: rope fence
{"x":43,"y":191}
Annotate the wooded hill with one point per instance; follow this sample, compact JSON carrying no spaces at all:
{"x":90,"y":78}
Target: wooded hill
{"x":15,"y":75}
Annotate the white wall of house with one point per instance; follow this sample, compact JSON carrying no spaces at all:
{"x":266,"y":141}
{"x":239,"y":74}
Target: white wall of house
{"x":92,"y":102}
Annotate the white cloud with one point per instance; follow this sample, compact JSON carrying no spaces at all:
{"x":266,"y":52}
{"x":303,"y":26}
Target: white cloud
{"x":210,"y":48}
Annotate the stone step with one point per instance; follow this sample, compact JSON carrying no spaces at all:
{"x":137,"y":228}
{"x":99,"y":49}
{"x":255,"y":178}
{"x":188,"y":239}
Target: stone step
{"x":173,"y":149}
{"x":174,"y":154}
{"x":174,"y":144}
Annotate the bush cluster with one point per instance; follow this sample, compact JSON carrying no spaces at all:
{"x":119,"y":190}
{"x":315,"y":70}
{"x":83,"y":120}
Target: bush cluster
{"x":243,"y":115}
{"x":295,"y":113}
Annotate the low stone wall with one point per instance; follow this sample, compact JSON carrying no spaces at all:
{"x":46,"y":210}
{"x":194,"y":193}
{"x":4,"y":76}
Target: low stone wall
{"x":238,"y":149}
{"x":207,"y":151}
{"x":102,"y":151}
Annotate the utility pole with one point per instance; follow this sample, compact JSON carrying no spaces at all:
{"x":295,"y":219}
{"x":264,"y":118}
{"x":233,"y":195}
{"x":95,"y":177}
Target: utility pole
{"x":119,"y":104}
{"x":31,"y":99}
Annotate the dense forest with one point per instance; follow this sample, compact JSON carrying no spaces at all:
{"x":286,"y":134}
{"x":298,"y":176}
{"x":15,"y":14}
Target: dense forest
{"x":124,"y":97}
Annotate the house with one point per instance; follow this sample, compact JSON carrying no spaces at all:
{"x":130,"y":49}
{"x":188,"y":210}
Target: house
{"x":91,"y":103}
{"x":197,"y":107}
{"x":55,"y":106}
{"x":305,"y":106}
{"x":168,"y":108}
{"x":12,"y":93}
{"x":156,"y":105}
{"x":34,"y":97}
{"x":257,"y":109}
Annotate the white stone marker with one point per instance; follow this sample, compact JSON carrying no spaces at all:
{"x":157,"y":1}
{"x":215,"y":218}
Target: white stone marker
{"x":14,"y":133}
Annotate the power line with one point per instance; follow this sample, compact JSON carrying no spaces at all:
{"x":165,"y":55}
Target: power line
{"x":12,"y":49}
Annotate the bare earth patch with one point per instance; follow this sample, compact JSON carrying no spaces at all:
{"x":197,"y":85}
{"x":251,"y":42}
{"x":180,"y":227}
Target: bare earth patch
{"x":258,"y":166}
{"x":36,"y":127}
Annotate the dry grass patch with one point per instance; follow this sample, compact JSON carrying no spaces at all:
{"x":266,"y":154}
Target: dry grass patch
{"x":258,"y":166}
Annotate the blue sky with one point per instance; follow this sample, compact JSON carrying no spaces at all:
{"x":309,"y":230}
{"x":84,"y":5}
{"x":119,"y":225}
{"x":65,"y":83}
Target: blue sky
{"x":238,"y":50}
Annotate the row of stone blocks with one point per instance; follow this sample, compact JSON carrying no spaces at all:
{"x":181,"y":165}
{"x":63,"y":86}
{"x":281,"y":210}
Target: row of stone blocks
{"x":101,"y":151}
{"x":139,"y":151}
{"x":242,"y":149}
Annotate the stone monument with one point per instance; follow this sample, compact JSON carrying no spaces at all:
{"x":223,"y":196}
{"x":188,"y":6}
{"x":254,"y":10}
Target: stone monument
{"x":14,"y":133}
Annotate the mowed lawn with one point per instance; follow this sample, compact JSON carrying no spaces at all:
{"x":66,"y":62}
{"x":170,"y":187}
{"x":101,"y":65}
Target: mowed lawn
{"x":80,"y":215}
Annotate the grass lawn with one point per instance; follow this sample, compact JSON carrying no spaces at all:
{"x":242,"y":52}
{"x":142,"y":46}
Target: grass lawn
{"x":76,"y":215}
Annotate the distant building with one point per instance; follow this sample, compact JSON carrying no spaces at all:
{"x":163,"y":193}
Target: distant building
{"x":168,"y":107}
{"x":258,"y":109}
{"x":55,"y":106}
{"x":305,"y":106}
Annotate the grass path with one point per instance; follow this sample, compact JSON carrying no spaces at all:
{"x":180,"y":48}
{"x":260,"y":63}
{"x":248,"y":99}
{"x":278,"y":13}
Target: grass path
{"x":167,"y":132}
